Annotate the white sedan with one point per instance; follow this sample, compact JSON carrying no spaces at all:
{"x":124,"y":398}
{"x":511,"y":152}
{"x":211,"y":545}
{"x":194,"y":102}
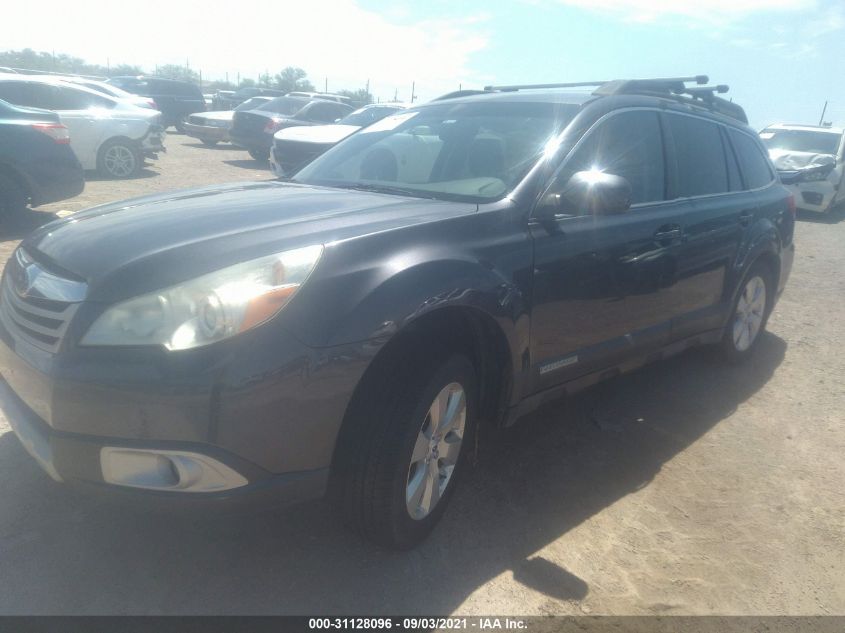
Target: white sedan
{"x":213,"y":127}
{"x":107,"y":134}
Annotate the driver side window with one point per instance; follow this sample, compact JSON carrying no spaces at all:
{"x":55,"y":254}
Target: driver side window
{"x":628,"y":145}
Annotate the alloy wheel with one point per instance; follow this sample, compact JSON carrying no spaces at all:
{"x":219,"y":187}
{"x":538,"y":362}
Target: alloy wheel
{"x":120,"y":161}
{"x":750,"y":310}
{"x":436,"y":451}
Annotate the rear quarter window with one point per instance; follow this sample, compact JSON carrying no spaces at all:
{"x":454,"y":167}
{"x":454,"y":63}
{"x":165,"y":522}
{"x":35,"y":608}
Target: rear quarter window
{"x":700,"y":167}
{"x":755,"y":167}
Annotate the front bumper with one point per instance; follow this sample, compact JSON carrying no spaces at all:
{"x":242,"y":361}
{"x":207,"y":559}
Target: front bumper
{"x":207,"y":132}
{"x":153,"y":142}
{"x":68,"y":457}
{"x":814,"y":196}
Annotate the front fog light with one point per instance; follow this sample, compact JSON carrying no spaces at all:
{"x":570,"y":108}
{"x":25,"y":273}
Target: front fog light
{"x":179,"y":471}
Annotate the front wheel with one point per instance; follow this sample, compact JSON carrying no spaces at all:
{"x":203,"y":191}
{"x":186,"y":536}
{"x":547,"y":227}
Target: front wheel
{"x":179,"y":124}
{"x":411,"y":435}
{"x":750,"y":312}
{"x":119,"y":158}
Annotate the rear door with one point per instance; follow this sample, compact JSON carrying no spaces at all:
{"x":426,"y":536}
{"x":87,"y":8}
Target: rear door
{"x":605,"y":287}
{"x":703,"y":169}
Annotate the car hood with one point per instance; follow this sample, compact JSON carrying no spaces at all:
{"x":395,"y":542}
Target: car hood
{"x":785,"y":160}
{"x":316,"y":133}
{"x":139,"y":245}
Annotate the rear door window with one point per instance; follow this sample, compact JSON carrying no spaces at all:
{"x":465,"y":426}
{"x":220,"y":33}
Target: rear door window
{"x":68,"y":98}
{"x":629,"y":145}
{"x":699,"y":156}
{"x":754,"y":164}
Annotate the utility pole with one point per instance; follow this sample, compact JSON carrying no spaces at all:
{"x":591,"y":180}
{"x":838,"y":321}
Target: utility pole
{"x":326,"y":89}
{"x":413,"y":88}
{"x":824,"y":109}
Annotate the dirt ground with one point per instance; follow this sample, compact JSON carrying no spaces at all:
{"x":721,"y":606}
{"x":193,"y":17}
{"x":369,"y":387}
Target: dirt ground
{"x":688,"y":487}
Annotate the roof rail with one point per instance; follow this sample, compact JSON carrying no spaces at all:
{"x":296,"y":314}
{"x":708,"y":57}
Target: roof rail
{"x":675,"y":88}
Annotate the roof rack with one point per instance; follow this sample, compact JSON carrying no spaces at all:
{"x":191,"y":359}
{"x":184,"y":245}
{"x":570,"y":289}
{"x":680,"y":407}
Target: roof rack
{"x":700,"y":95}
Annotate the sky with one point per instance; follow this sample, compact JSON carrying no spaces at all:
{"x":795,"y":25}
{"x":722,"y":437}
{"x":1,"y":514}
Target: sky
{"x":778,"y":56}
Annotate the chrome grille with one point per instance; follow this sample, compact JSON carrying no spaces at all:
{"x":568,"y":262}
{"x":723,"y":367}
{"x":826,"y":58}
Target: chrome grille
{"x":35,"y":305}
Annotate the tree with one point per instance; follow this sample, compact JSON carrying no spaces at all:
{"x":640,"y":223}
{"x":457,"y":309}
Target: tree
{"x":29,"y":59}
{"x":247,"y":83}
{"x":176,"y":71}
{"x":357,"y":97}
{"x":293,"y":78}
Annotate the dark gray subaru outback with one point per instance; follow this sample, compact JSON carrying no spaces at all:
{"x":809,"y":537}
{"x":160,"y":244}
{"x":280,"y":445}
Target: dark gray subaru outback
{"x":347,"y":333}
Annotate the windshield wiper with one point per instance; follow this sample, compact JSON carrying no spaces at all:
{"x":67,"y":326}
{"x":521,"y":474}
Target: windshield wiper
{"x":399,"y":191}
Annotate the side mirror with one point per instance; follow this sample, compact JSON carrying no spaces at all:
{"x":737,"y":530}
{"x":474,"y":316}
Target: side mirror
{"x":592,"y":192}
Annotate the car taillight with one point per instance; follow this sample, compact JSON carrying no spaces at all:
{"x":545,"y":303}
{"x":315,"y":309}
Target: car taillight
{"x":152,"y":104}
{"x":56,"y":131}
{"x":790,"y":203}
{"x":272,"y":126}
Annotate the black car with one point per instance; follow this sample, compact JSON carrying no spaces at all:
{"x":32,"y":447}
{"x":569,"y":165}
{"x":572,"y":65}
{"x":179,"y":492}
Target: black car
{"x":254,"y":129}
{"x":37,"y":165}
{"x":349,"y":332}
{"x":175,"y":99}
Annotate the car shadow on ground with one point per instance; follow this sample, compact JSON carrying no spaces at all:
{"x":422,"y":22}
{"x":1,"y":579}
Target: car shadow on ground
{"x":146,"y":172}
{"x":249,"y":163}
{"x":63,"y":551}
{"x":21,"y":224}
{"x":831,"y":217}
{"x":222,"y":145}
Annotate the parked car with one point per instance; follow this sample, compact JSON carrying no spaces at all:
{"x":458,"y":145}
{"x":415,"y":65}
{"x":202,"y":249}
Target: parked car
{"x":175,"y":99}
{"x":108,"y":89}
{"x":37,"y":165}
{"x":295,"y":147}
{"x":348,"y":332}
{"x":811,"y":162}
{"x":230,"y":100}
{"x":254,"y":129}
{"x":328,"y":96}
{"x":213,"y":127}
{"x":109,"y":135}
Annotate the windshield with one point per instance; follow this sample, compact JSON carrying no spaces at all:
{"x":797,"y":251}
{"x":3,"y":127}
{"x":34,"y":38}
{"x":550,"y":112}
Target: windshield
{"x":801,"y":141}
{"x":477,"y":151}
{"x":284,"y":105}
{"x":365,"y":116}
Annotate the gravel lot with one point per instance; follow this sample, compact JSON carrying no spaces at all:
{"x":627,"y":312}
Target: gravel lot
{"x":688,"y":487}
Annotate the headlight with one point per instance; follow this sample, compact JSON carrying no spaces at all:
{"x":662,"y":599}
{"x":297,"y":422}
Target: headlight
{"x":210,"y":308}
{"x":816,"y":175}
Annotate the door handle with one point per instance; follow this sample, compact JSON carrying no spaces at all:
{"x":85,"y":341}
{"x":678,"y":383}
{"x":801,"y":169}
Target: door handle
{"x":666,"y":233}
{"x":745,"y":217}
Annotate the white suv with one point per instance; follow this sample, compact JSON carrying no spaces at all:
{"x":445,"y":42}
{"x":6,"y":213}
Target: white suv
{"x":810,"y":161}
{"x":108,"y":134}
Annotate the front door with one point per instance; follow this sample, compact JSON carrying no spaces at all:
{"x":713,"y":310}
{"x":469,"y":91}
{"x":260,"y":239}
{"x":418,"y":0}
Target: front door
{"x":605,"y":286}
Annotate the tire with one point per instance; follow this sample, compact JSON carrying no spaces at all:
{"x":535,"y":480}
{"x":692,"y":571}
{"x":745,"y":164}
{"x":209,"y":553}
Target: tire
{"x":13,"y":197}
{"x":119,"y":158}
{"x":396,"y":480}
{"x":261,"y":155}
{"x":179,"y":124}
{"x":749,"y":314}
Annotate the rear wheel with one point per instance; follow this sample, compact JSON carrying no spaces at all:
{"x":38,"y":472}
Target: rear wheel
{"x":261,"y":155}
{"x":750,"y":313}
{"x":13,"y":197}
{"x":408,"y":448}
{"x":119,"y":158}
